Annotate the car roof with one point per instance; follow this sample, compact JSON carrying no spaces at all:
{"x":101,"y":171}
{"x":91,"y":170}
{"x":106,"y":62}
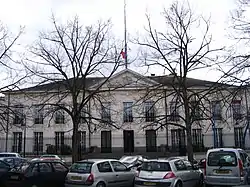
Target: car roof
{"x":13,"y":158}
{"x":41,"y":160}
{"x":157,"y":160}
{"x":225,"y":149}
{"x":96,"y":160}
{"x":9,"y":153}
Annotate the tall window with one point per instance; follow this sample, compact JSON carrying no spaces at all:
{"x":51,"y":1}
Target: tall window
{"x":38,"y":114}
{"x":59,"y":117}
{"x":151,"y":144}
{"x":106,"y":112}
{"x":196,"y":110}
{"x":106,"y":142}
{"x":17,"y":142}
{"x":59,"y":140}
{"x":238,"y":137}
{"x":149,"y":111}
{"x":216,"y":110}
{"x":236,"y":109}
{"x":178,"y":138}
{"x":83,"y":114}
{"x":19,"y":114}
{"x":38,"y":142}
{"x":219,"y":137}
{"x":197,"y":137}
{"x":174,"y":111}
{"x":127,"y":112}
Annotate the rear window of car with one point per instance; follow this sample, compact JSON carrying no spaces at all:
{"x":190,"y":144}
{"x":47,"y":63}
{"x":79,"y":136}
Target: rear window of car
{"x":155,"y":166}
{"x":81,"y":167}
{"x":222,"y":158}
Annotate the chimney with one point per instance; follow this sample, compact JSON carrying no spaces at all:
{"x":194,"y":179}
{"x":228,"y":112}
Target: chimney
{"x":153,"y":75}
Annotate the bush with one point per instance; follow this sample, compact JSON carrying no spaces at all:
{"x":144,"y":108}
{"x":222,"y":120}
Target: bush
{"x":62,"y":150}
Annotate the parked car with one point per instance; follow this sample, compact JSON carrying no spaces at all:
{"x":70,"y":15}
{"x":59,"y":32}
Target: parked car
{"x":4,"y":168}
{"x":51,"y":157}
{"x":100,"y":173}
{"x":172,"y":173}
{"x":14,"y":161}
{"x":185,"y":158}
{"x":132,"y":161}
{"x":9,"y":154}
{"x":226,"y":163}
{"x":38,"y":173}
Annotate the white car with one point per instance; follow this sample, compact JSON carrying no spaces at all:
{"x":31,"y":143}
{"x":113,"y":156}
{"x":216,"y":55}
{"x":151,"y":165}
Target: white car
{"x":51,"y":157}
{"x":9,"y":154}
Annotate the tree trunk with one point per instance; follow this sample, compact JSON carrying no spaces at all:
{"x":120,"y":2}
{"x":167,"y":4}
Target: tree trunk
{"x":189,"y":144}
{"x":75,"y":144}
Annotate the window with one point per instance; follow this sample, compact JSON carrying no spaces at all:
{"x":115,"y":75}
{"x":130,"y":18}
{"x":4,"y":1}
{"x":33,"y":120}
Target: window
{"x":59,"y":141}
{"x":81,"y":167}
{"x":60,"y":118}
{"x":197,"y":137}
{"x":104,"y":167}
{"x":178,"y":138}
{"x":236,"y":109}
{"x":106,"y":112}
{"x":216,"y":110}
{"x":38,"y":142}
{"x":127,"y":112}
{"x":59,"y":167}
{"x":118,"y":166}
{"x":106,"y":142}
{"x":196,"y":112}
{"x":149,"y":111}
{"x":3,"y":165}
{"x":222,"y":158}
{"x":174,"y":111}
{"x":219,"y":139}
{"x":155,"y":166}
{"x":151,"y":145}
{"x":180,"y":165}
{"x":17,"y":142}
{"x":82,"y":139}
{"x":19,"y":115}
{"x":38,"y":114}
{"x":45,"y":167}
{"x":35,"y":168}
{"x":83,"y":114}
{"x":238,"y":137}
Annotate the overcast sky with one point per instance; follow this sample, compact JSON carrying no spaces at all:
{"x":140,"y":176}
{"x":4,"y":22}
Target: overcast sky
{"x":35,"y":15}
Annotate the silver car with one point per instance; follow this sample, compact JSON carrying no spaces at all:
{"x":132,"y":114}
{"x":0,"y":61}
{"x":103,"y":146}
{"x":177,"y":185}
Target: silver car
{"x":99,"y":173}
{"x":169,"y":173}
{"x":226,"y":163}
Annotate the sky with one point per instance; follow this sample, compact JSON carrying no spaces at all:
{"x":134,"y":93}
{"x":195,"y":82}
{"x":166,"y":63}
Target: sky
{"x":36,"y":16}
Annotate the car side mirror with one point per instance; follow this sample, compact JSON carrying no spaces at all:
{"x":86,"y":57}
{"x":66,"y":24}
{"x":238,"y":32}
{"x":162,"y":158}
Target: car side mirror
{"x":195,"y":167}
{"x":128,"y":168}
{"x":139,"y":169}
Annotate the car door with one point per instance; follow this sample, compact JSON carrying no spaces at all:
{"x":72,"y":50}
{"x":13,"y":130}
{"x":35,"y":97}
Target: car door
{"x":193,"y":174}
{"x":107,"y":174}
{"x":59,"y":171}
{"x":246,"y":164}
{"x":182,"y":172}
{"x":124,"y":176}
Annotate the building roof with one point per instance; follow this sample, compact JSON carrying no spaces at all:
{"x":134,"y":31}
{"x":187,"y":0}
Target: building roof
{"x":166,"y":80}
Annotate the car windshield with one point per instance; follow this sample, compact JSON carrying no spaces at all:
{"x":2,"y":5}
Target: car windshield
{"x":81,"y":167}
{"x":222,"y":158}
{"x":7,"y":155}
{"x":48,"y":156}
{"x":155,"y":166}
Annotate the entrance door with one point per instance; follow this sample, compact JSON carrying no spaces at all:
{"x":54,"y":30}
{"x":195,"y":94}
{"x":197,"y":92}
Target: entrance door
{"x":151,"y":144}
{"x":128,"y":141}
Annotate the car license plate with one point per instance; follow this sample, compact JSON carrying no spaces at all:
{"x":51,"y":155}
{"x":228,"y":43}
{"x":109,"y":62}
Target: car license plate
{"x":149,"y":183}
{"x":223,"y":171}
{"x":78,"y":178}
{"x":14,"y":177}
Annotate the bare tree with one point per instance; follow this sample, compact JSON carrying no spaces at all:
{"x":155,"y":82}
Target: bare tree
{"x":178,"y":51}
{"x":67,"y":58}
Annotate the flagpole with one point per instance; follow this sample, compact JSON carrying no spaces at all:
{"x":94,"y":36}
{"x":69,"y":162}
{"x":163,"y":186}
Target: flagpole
{"x":125,"y":37}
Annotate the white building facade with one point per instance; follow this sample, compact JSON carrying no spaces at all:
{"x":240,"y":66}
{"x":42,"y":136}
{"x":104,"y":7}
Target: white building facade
{"x":138,"y":114}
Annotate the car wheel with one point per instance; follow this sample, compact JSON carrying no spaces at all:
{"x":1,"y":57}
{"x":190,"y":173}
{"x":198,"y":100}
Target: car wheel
{"x":178,"y":184}
{"x":100,"y":184}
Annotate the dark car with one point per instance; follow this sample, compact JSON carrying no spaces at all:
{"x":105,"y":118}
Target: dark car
{"x":14,"y":161}
{"x":40,"y":173}
{"x":4,"y":168}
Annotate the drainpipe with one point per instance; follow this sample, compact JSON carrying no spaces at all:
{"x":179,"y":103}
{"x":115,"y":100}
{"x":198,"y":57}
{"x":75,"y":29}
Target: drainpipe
{"x":89,"y":127}
{"x":166,"y":114}
{"x":247,"y":126}
{"x":7,"y":125}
